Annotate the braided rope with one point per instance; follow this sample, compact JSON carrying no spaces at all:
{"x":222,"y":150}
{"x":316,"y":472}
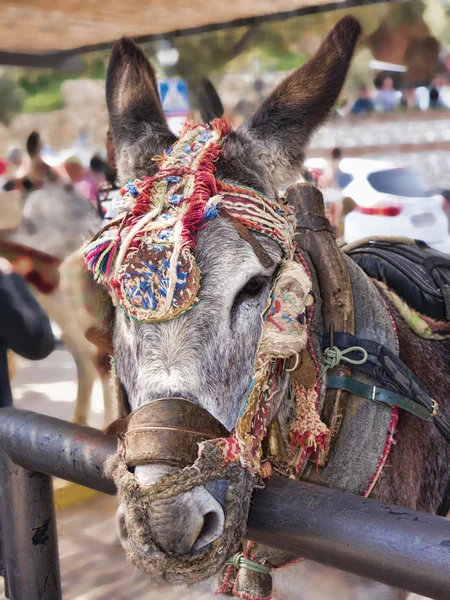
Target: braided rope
{"x":239,"y":561}
{"x":332,"y":357}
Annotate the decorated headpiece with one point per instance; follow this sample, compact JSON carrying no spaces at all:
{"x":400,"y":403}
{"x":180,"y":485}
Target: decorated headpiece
{"x":144,"y":256}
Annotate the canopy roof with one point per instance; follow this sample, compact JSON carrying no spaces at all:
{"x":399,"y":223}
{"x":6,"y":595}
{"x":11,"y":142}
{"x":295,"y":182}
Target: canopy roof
{"x":52,"y":29}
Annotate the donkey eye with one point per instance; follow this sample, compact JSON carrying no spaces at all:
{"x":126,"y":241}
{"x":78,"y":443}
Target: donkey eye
{"x":249,"y":294}
{"x":254,"y":286}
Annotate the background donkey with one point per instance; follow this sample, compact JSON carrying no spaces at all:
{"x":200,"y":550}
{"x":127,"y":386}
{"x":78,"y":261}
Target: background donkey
{"x":207,"y":355}
{"x":58,"y":220}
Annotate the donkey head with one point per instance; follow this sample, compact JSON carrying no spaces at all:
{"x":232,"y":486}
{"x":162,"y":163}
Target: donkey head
{"x":207,"y":354}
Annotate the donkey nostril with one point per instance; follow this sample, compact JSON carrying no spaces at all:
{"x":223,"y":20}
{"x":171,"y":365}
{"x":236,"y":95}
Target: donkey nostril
{"x":212,"y":529}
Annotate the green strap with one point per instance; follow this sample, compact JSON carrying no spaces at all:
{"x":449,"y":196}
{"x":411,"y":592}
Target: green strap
{"x":373,"y":392}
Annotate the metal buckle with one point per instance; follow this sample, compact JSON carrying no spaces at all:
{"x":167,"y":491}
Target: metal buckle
{"x":373,"y":396}
{"x":259,"y":485}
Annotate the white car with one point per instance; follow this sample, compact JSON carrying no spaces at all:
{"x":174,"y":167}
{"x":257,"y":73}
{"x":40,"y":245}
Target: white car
{"x":392,"y":201}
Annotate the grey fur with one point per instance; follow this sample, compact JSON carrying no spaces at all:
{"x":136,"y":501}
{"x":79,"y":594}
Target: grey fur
{"x":207,"y":354}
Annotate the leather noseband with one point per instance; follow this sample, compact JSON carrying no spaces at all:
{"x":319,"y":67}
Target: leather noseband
{"x":167,"y":431}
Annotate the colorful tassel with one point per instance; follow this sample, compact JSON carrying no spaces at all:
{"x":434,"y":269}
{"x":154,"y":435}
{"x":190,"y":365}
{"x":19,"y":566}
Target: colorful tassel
{"x":99,"y":257}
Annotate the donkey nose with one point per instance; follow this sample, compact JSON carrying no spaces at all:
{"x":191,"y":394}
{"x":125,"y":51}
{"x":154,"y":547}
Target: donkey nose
{"x":186,"y":523}
{"x":183,"y":524}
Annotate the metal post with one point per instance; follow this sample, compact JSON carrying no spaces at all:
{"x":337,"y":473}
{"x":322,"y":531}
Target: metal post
{"x":396,"y":546}
{"x":30,"y":446}
{"x":30,"y":543}
{"x":56,"y":447}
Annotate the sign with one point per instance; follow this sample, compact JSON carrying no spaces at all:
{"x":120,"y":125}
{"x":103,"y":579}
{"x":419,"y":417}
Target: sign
{"x":174,"y":97}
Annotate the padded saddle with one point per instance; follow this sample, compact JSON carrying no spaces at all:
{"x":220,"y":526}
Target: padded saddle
{"x":418,"y":274}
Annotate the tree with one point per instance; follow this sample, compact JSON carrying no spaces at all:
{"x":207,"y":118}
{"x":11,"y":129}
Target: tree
{"x":12,"y":97}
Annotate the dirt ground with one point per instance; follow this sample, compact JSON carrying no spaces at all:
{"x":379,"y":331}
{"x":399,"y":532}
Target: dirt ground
{"x":93,"y":564}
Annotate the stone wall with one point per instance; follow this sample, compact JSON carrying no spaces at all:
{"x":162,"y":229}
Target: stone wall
{"x":384,"y":130}
{"x":85,"y":110}
{"x":418,"y":140}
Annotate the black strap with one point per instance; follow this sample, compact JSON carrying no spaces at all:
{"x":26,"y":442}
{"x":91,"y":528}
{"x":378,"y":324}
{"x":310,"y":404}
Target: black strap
{"x":388,"y":369}
{"x":436,"y":261}
{"x":446,"y":293}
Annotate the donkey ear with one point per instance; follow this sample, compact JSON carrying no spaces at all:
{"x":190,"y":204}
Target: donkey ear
{"x":138,"y":125}
{"x":282,"y":127}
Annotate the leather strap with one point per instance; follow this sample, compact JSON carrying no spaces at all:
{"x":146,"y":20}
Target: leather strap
{"x":167,"y":430}
{"x":244,"y":233}
{"x":314,"y":237}
{"x":392,"y":372}
{"x":377,"y":394}
{"x":314,"y":222}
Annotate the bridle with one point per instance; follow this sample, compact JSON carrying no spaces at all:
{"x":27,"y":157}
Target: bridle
{"x":167,"y":431}
{"x":144,"y":260}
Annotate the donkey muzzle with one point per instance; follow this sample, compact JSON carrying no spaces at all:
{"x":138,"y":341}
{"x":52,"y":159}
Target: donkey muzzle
{"x":167,"y":431}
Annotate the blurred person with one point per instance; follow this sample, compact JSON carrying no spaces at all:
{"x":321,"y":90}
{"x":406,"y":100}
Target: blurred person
{"x":24,"y":327}
{"x":331,"y":174}
{"x":434,"y":96}
{"x":94,"y":177}
{"x":409,"y":98}
{"x":363,"y":103}
{"x":422,"y":98}
{"x":439,"y":93}
{"x":40,"y":171}
{"x":387,"y":97}
{"x":3,"y":171}
{"x":74,"y":169}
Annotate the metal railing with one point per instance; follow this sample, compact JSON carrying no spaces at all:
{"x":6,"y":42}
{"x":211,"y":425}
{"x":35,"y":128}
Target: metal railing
{"x":396,"y":546}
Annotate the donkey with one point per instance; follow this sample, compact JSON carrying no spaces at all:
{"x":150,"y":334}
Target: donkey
{"x":57,"y":220}
{"x":207,"y":354}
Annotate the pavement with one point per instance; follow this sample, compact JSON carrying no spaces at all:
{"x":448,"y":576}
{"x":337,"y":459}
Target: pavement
{"x":93,"y":564}
{"x":49,"y":387}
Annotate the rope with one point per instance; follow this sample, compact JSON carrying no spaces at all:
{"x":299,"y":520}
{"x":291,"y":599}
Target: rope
{"x":239,"y":561}
{"x":332,"y":357}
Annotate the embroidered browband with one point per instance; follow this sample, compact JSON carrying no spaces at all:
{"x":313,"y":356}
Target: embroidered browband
{"x":144,"y":256}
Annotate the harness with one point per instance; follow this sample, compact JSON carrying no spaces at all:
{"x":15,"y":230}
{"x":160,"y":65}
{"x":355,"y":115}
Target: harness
{"x":145,"y":261}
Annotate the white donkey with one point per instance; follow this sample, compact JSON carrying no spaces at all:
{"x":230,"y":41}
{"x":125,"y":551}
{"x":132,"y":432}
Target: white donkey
{"x":57,"y":220}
